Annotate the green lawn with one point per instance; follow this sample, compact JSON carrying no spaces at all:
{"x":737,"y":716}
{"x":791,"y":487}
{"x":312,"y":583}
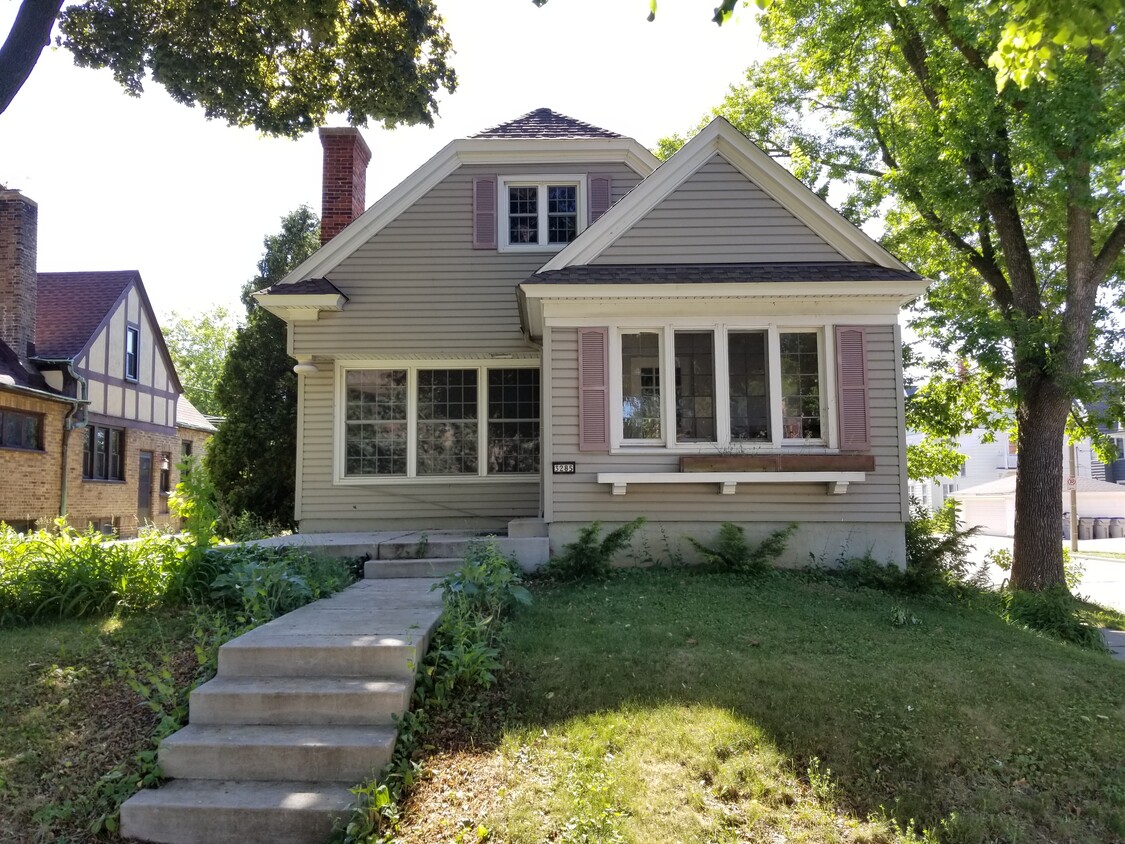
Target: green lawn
{"x":667,"y":706}
{"x":68,"y":717}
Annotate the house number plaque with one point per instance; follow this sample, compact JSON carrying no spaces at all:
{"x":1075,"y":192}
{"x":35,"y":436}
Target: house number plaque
{"x":565,"y":468}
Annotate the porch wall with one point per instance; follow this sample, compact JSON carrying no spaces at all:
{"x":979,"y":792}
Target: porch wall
{"x":871,"y":514}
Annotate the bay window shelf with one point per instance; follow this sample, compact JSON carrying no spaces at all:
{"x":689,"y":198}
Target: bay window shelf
{"x":836,"y":483}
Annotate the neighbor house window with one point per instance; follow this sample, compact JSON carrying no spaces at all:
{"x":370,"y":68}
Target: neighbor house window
{"x":427,"y":422}
{"x":102,"y":459}
{"x":21,"y":430}
{"x":132,"y":352}
{"x":728,"y":385}
{"x":546,"y":214}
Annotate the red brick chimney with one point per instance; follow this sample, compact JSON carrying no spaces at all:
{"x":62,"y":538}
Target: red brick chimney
{"x":19,"y":225}
{"x":346,"y":155}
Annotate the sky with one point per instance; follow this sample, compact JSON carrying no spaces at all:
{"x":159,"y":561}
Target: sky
{"x":149,"y":184}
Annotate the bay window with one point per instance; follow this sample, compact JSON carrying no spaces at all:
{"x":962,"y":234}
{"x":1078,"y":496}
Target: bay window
{"x":730,"y":385}
{"x":440,"y":422}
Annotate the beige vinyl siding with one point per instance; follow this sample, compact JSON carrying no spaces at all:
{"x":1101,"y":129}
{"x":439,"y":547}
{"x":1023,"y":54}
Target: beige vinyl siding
{"x":579,"y":498}
{"x":418,"y":286}
{"x":325,"y":506}
{"x":718,"y":215}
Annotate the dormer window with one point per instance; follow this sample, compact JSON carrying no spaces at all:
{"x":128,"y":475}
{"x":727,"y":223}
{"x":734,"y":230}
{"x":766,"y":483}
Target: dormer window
{"x":132,"y":352}
{"x":540,"y":212}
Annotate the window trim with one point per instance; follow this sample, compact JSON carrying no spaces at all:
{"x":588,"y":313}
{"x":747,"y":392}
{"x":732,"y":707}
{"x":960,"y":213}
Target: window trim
{"x":40,"y":446}
{"x":774,"y":328}
{"x":503,"y":229}
{"x":482,"y":366}
{"x":122,"y":454}
{"x":133,"y":330}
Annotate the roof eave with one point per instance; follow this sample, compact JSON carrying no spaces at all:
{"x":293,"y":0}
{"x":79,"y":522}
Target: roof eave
{"x":300,"y":307}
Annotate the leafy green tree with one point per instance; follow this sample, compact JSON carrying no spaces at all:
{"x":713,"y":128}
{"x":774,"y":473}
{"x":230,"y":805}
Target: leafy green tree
{"x":198,"y":344}
{"x":253,"y":457}
{"x":280,"y":67}
{"x":1033,"y":33}
{"x":1009,"y":198}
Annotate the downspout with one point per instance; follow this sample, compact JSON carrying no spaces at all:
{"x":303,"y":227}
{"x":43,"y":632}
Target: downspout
{"x":74,"y":418}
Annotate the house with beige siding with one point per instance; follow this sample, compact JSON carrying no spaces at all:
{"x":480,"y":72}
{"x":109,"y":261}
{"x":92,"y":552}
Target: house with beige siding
{"x":92,"y":417}
{"x":547,"y":323}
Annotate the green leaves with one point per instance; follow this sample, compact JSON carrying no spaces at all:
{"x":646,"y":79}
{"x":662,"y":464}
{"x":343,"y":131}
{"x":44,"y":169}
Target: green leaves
{"x":382,"y":60}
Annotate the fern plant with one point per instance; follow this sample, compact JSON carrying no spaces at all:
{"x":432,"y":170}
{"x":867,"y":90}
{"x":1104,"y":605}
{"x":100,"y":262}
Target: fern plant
{"x":589,"y":556}
{"x":732,"y":552}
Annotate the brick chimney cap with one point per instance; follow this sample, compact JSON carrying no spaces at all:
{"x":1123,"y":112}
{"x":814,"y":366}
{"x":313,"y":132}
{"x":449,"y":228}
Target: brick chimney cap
{"x":14,"y":193}
{"x":346,"y":131}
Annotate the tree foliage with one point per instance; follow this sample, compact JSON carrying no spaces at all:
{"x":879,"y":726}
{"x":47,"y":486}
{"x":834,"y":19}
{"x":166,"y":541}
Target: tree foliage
{"x":253,"y":457}
{"x":1033,"y":33}
{"x":1009,"y":198}
{"x":277,"y":66}
{"x":198,"y":344}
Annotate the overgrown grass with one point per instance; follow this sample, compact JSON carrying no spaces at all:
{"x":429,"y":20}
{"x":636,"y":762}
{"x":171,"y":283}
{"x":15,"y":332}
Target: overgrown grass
{"x":680,"y":706}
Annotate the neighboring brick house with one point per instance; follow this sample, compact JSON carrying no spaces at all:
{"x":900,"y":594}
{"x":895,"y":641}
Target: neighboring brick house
{"x":92,"y":416}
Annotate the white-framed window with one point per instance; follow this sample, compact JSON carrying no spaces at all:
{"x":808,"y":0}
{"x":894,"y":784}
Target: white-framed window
{"x":540,"y":212}
{"x":702,"y":387}
{"x":438,"y":421}
{"x":132,"y":352}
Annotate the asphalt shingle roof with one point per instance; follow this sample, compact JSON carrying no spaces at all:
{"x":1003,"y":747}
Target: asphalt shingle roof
{"x":546,"y":124}
{"x":71,"y":306}
{"x":10,"y":365}
{"x":305,"y":287}
{"x":720,"y":273}
{"x":188,"y":416}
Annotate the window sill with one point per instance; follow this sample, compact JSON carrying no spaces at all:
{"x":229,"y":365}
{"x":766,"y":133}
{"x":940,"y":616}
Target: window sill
{"x":19,"y":450}
{"x":103,"y":480}
{"x":836,"y":483}
{"x":399,"y":480}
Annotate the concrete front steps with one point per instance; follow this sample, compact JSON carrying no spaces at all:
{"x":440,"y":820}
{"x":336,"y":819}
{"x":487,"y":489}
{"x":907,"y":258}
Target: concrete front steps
{"x":426,"y":555}
{"x":299,"y":712}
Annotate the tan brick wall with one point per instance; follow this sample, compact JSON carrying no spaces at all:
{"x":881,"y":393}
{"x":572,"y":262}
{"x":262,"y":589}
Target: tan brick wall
{"x":30,"y":481}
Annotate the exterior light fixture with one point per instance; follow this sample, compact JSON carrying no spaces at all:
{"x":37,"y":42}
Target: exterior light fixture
{"x":306,"y":367}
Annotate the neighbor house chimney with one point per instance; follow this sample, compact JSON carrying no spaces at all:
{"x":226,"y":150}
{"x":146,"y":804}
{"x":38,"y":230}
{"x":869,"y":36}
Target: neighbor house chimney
{"x":344,"y":181}
{"x":19,"y":224}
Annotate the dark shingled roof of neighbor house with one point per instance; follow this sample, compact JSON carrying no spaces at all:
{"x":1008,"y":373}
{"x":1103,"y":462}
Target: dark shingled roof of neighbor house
{"x":720,"y":273}
{"x":71,"y":306}
{"x":546,"y":124}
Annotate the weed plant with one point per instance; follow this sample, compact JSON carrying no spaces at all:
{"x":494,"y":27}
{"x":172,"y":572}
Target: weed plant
{"x":589,"y":557}
{"x":733,"y":553}
{"x":464,"y":655}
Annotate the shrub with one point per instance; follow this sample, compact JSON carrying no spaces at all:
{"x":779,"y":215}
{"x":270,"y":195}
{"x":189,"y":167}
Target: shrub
{"x":589,"y":557}
{"x":937,"y":548}
{"x":733,"y":553}
{"x":1054,"y":612}
{"x":263,"y":583}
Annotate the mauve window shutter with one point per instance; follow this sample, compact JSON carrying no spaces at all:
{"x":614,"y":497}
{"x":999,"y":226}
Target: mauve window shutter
{"x":601,"y":195}
{"x":593,"y":389}
{"x":484,"y":212}
{"x":851,"y":386}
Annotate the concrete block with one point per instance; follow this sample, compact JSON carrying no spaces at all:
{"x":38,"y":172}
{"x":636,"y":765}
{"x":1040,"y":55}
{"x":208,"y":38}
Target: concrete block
{"x":408,"y":568}
{"x":295,"y":654}
{"x":309,"y":700}
{"x":226,"y":812}
{"x":305,"y":753}
{"x":527,"y":528}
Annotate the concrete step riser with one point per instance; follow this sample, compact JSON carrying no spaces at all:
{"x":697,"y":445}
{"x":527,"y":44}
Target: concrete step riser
{"x":388,"y":569}
{"x":295,"y":707}
{"x":231,"y":759}
{"x":393,"y":662}
{"x":529,"y":552}
{"x":170,"y":816}
{"x":423,"y":551}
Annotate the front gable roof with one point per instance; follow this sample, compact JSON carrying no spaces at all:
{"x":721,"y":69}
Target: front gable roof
{"x":73,"y":308}
{"x":721,"y":138}
{"x":540,"y":137}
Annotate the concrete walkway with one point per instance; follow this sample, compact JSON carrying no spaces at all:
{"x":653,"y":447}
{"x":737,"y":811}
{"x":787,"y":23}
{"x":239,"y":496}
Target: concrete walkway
{"x":301,"y":709}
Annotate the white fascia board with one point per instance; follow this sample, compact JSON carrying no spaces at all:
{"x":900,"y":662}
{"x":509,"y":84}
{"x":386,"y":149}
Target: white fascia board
{"x":720,"y":137}
{"x":300,"y":306}
{"x":904,"y":290}
{"x":453,"y":155}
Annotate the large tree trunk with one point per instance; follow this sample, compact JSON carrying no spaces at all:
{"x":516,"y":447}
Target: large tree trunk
{"x":1037,"y":558}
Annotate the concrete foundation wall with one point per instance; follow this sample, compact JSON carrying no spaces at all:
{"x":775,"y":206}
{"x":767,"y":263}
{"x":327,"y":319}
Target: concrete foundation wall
{"x":824,"y":544}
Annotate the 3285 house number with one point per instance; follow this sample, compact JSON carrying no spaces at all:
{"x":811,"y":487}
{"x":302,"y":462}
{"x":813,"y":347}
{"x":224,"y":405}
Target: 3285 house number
{"x":564,"y":468}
